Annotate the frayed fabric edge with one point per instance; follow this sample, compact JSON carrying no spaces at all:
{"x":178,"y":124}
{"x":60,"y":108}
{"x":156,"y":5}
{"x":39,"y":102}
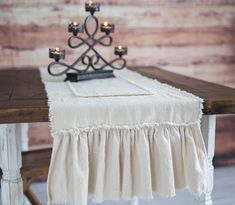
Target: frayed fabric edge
{"x":134,"y":197}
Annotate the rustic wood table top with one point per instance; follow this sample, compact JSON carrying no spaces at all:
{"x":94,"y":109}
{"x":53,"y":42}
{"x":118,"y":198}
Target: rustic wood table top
{"x":23,"y":97}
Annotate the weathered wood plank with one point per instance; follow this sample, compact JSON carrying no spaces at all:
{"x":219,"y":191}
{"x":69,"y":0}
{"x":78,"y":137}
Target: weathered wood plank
{"x":26,"y":97}
{"x":25,"y":113}
{"x":39,"y":134}
{"x":117,"y":2}
{"x":181,"y":56}
{"x":225,"y":140}
{"x":28,"y":88}
{"x":6,"y":86}
{"x":222,"y":73}
{"x":135,"y":16}
{"x":33,"y":36}
{"x":203,"y":62}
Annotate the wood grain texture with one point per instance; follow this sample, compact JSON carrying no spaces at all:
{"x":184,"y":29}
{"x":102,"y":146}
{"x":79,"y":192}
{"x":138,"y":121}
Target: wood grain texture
{"x":32,"y":169}
{"x":116,"y":2}
{"x":32,"y":36}
{"x":225,"y":140}
{"x":27,"y":98}
{"x":144,"y":16}
{"x":27,"y":101}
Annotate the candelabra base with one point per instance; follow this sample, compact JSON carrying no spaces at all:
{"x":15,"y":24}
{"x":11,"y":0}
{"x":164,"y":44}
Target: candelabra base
{"x":99,"y":74}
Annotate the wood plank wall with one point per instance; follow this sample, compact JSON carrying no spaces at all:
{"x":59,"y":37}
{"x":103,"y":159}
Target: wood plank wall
{"x":193,"y":37}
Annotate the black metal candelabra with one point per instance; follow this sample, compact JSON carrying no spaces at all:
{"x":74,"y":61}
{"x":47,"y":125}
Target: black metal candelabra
{"x":92,"y":63}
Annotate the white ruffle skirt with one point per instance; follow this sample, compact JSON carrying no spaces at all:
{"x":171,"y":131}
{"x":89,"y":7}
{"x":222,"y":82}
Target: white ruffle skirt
{"x":126,"y":162}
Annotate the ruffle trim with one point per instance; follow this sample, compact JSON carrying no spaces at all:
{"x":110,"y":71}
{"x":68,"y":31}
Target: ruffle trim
{"x":126,"y":162}
{"x":80,"y":130}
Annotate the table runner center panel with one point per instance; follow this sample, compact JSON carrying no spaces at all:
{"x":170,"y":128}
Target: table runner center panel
{"x":122,"y":137}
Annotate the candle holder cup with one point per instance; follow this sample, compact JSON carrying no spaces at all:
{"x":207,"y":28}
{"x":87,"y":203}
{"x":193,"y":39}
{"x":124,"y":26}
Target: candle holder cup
{"x":75,"y":28}
{"x":120,"y":51}
{"x":107,"y":28}
{"x":92,"y":7}
{"x":57,"y":54}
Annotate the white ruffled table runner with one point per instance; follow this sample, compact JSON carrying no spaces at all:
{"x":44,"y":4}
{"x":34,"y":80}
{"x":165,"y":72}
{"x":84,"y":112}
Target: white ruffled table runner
{"x":123,"y":137}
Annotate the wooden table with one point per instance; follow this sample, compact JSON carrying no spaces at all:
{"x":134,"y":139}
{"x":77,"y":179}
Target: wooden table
{"x":23,"y":99}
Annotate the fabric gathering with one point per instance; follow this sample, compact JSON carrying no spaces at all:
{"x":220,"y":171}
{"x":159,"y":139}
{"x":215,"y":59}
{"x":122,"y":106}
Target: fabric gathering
{"x":113,"y":139}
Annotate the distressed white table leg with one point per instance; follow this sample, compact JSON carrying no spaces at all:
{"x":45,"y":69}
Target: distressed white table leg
{"x":208,"y":126}
{"x":10,"y":153}
{"x":135,"y":201}
{"x":23,"y":131}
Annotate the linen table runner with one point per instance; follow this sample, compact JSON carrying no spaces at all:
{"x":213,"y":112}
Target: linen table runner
{"x":123,"y":137}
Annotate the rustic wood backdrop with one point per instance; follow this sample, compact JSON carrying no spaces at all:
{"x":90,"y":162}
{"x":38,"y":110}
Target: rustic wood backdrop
{"x":192,"y":37}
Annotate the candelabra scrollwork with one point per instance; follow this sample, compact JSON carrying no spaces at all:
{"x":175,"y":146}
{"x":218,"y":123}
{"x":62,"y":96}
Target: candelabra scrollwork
{"x":90,"y":64}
